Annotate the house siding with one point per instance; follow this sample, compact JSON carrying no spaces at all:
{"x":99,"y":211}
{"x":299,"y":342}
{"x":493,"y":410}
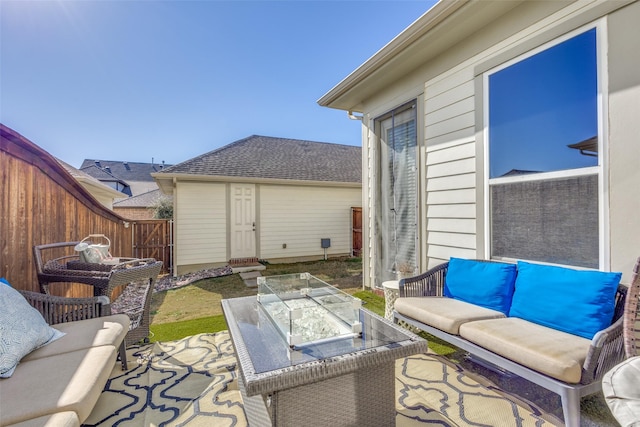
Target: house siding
{"x":201,"y":224}
{"x":452,"y":190}
{"x":317,"y":213}
{"x":451,"y":201}
{"x":624,"y":129}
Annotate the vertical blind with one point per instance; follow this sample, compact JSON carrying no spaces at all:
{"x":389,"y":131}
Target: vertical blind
{"x":396,"y":217}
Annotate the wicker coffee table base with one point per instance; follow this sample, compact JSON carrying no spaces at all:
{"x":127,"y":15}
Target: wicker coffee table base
{"x":362,"y":398}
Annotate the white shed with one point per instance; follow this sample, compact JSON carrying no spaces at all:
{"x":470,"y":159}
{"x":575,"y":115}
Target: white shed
{"x":266,"y":198}
{"x":501,"y":130}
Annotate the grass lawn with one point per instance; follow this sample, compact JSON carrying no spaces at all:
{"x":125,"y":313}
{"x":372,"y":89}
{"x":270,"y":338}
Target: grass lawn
{"x":196,"y":308}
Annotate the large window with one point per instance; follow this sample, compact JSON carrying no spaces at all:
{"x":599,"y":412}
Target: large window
{"x":396,"y":192}
{"x":544,"y":157}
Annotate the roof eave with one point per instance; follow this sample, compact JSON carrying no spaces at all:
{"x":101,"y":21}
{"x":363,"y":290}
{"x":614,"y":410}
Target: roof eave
{"x":165,"y":181}
{"x":429,"y":20}
{"x":437,"y":31}
{"x":97,"y":187}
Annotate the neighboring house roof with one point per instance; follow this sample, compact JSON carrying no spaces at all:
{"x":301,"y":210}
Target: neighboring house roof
{"x":143,"y":200}
{"x":588,"y":147}
{"x":92,"y":184}
{"x":101,"y":174}
{"x":127,"y":171}
{"x":273,"y":159}
{"x":135,"y":177}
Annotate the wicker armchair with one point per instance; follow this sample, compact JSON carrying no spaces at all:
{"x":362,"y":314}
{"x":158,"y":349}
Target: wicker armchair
{"x":620,"y":384}
{"x":631,"y":321}
{"x":69,"y":268}
{"x":56,"y":309}
{"x":135,"y":300}
{"x":137,"y":275}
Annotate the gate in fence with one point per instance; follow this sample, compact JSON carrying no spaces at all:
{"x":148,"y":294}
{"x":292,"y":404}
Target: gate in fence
{"x":153,"y":238}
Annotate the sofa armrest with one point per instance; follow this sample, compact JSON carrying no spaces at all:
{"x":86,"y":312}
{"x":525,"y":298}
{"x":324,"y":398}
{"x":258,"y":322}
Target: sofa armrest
{"x":430,"y":283}
{"x":606,"y":351}
{"x":56,"y":309}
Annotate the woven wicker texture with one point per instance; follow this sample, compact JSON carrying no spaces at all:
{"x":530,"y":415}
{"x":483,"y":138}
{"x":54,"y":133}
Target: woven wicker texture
{"x":137,"y":273}
{"x":56,"y":309}
{"x":337,"y":389}
{"x":632,"y":315}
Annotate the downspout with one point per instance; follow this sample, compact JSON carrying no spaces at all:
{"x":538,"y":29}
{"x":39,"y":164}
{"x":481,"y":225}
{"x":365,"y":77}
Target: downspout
{"x":352,"y":116}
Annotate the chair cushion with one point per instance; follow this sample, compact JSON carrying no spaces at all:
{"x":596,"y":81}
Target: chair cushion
{"x":22,"y":329}
{"x":109,"y":330}
{"x":487,"y":284}
{"x":549,"y":351}
{"x":446,"y":314}
{"x":65,"y":382}
{"x":580,"y":302}
{"x":621,"y":391}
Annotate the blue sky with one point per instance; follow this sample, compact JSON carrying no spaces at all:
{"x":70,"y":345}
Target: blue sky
{"x":542,"y":104}
{"x":170,"y":80}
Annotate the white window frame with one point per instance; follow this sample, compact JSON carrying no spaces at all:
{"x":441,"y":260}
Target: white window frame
{"x":601,"y":169}
{"x":411,"y":105}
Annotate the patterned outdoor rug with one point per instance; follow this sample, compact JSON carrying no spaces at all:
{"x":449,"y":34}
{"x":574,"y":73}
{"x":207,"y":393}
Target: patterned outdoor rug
{"x":193,"y":382}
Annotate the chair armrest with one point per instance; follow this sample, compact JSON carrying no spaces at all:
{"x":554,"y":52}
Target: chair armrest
{"x":605,"y":352}
{"x":430,"y":283}
{"x":130,"y":271}
{"x":56,"y":309}
{"x":37,"y":252}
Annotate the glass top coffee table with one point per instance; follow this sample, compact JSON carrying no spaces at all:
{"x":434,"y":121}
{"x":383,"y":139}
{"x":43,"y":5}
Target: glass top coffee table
{"x":347,"y":380}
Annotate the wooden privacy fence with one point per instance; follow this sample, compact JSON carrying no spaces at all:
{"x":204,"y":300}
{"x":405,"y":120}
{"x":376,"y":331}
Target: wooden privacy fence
{"x":41,"y":203}
{"x":153,"y":238}
{"x":356,"y":232}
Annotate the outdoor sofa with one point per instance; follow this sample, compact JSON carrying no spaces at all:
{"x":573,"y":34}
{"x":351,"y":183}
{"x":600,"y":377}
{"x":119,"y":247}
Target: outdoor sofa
{"x":54,"y":375}
{"x":556,"y":327}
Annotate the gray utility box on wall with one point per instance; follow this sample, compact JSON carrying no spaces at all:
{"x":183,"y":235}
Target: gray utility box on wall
{"x":325,"y":243}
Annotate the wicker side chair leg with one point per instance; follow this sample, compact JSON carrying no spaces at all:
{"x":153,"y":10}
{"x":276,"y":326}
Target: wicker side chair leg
{"x":123,"y":356}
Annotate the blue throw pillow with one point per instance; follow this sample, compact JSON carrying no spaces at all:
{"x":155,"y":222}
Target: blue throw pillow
{"x":22,"y":330}
{"x":580,"y":302}
{"x":487,"y":284}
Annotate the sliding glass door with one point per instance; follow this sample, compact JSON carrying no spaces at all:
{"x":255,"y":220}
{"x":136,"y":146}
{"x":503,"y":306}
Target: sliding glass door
{"x":396,"y":191}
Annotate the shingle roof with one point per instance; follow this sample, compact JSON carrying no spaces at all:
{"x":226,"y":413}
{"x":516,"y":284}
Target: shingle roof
{"x":141,"y":200}
{"x":100,"y":174}
{"x":278,"y":158}
{"x":126,"y":171}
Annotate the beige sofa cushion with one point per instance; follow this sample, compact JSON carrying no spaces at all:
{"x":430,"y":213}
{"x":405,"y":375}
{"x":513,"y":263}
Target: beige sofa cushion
{"x":549,"y":351}
{"x":61,"y":419}
{"x":67,"y":382}
{"x":82,"y":334}
{"x":446,"y":314}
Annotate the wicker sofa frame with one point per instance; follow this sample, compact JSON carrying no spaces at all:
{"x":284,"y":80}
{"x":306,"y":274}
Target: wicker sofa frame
{"x":606,"y":348}
{"x":105,"y":279}
{"x":56,"y":309}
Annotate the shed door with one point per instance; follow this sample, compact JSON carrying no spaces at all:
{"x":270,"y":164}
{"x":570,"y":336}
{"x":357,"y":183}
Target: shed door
{"x":243,"y":221}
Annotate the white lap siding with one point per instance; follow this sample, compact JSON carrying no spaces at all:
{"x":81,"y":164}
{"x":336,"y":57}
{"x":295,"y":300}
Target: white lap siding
{"x":450,"y":195}
{"x":201,"y":223}
{"x":299,"y":217}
